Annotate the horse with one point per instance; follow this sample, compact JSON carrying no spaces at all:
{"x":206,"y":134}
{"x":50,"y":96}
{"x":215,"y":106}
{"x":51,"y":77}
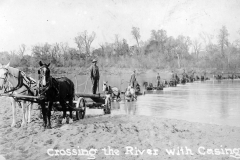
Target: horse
{"x":130,"y":94}
{"x":197,"y":78}
{"x":14,"y":81}
{"x":54,"y":90}
{"x":113,"y":91}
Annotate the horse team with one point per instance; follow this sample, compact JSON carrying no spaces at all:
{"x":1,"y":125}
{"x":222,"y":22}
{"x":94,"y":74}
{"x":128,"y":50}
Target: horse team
{"x":14,"y":81}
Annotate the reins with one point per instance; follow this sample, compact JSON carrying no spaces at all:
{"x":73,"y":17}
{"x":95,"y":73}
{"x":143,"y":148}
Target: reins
{"x":19,"y":85}
{"x":21,"y":79}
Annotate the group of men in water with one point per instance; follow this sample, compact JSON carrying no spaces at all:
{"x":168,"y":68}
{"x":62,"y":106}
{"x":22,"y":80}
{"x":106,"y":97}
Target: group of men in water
{"x":174,"y":79}
{"x":95,"y":76}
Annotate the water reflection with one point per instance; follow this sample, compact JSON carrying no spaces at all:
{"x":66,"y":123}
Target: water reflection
{"x":206,"y":102}
{"x":130,"y":108}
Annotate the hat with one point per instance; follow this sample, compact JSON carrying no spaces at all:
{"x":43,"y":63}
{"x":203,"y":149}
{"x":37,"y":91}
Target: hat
{"x":94,"y":60}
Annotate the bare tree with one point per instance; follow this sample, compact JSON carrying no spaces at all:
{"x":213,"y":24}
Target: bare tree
{"x":55,"y":52}
{"x":64,"y":47}
{"x":22,"y":50}
{"x":207,"y":39}
{"x":223,"y":39}
{"x":84,"y":41}
{"x":136,"y":34}
{"x":160,"y":37}
{"x":197,"y":47}
{"x":102,"y":49}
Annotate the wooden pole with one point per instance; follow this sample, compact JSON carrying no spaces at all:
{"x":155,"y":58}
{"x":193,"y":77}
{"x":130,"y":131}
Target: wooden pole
{"x":90,"y":95}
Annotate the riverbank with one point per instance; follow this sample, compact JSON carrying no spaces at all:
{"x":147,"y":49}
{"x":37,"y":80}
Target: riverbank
{"x":131,"y":137}
{"x":113,"y":70}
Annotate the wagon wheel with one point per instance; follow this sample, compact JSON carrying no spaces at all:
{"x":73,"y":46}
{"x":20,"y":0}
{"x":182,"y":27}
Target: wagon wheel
{"x":80,"y":104}
{"x":107,"y":109}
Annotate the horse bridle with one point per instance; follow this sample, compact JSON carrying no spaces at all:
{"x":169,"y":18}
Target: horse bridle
{"x":19,"y":85}
{"x":4,"y":79}
{"x":43,"y":89}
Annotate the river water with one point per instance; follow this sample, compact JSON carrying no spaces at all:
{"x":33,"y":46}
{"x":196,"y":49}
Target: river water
{"x":213,"y":102}
{"x":205,"y":102}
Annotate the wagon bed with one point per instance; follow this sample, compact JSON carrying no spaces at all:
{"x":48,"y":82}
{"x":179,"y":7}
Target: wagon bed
{"x":100,"y":101}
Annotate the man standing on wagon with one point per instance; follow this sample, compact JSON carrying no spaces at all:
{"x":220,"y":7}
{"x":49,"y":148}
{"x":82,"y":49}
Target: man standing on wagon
{"x":133,"y":80}
{"x":94,"y":76}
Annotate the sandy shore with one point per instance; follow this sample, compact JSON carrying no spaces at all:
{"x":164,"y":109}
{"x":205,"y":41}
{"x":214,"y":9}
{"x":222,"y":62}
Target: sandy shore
{"x":152,"y":137}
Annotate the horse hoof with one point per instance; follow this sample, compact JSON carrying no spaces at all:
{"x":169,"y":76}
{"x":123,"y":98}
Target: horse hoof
{"x":49,"y":127}
{"x":70,"y":120}
{"x":23,"y":124}
{"x":13,"y":124}
{"x":64,"y":120}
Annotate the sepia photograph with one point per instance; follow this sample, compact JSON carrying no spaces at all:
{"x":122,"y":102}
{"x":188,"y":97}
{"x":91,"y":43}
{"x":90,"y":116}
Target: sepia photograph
{"x":119,"y":79}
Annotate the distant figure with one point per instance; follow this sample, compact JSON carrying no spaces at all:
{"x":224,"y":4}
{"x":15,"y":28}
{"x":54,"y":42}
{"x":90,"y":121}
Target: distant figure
{"x":158,"y":80}
{"x":205,"y":75}
{"x":133,"y":79}
{"x":177,"y":78}
{"x":94,"y":76}
{"x":184,"y":75}
{"x":172,"y":75}
{"x":192,"y":76}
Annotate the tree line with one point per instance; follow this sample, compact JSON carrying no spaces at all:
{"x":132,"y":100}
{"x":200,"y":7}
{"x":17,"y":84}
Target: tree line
{"x":159,"y":52}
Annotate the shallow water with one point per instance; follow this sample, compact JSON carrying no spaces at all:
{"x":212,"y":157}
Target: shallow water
{"x":205,"y":102}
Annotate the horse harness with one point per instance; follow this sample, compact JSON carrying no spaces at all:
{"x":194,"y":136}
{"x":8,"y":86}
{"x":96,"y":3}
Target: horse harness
{"x":23,"y":80}
{"x":52,"y":83}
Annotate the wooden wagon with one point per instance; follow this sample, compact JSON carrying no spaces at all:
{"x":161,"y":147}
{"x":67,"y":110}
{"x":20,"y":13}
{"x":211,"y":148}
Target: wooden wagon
{"x":99,"y":101}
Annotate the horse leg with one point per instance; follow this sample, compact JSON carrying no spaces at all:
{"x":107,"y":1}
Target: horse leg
{"x":29,"y":112}
{"x":26,"y":111}
{"x":70,"y":111}
{"x":64,"y":120}
{"x":44,"y":114}
{"x":13,"y":112}
{"x":49,"y":115}
{"x":23,"y":103}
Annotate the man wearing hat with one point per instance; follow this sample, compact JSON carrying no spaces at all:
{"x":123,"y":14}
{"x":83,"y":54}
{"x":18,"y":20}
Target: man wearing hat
{"x":158,"y":80}
{"x":133,"y":79}
{"x":94,"y":76}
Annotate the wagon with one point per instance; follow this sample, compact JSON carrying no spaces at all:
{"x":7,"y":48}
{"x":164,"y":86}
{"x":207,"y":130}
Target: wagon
{"x":100,"y":101}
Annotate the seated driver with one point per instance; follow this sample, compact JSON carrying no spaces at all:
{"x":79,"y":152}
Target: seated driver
{"x":106,"y":89}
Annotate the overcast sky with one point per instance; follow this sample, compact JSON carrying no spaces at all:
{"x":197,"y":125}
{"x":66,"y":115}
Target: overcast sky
{"x":33,"y":22}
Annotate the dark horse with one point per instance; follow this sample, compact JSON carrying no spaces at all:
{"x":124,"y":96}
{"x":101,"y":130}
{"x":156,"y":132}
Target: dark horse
{"x":54,"y":90}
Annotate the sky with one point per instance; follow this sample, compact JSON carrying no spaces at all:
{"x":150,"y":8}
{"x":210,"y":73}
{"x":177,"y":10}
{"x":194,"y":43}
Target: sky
{"x":33,"y":22}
